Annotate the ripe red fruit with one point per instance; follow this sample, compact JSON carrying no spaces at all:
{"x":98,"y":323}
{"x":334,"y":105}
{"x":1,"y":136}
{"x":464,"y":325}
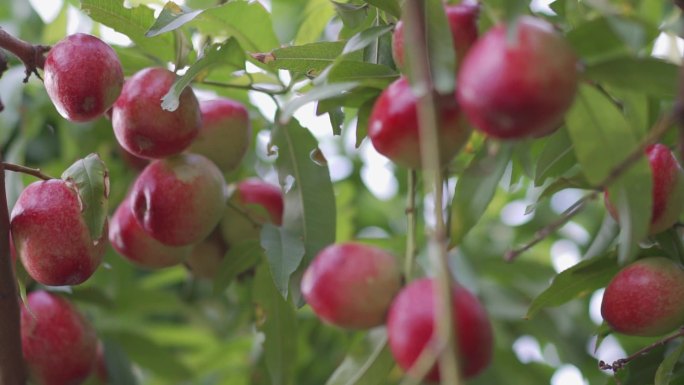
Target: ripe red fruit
{"x":133,"y":243}
{"x":179,"y":200}
{"x":518,"y":86}
{"x":140,"y":124}
{"x":83,"y":77}
{"x":646,"y":298}
{"x":462,"y":20}
{"x":393,"y":126}
{"x":411,"y":322}
{"x":263,"y":202}
{"x":668,"y":189}
{"x":351,"y":285}
{"x":58,"y":343}
{"x":51,"y":236}
{"x":225,"y":134}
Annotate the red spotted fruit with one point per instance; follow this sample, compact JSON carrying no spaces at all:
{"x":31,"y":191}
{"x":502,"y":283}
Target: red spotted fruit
{"x":83,"y":77}
{"x":51,"y":236}
{"x":179,"y":200}
{"x":393,"y":126}
{"x":411,"y":324}
{"x":518,"y":86}
{"x":351,"y":285}
{"x":58,"y":343}
{"x":130,"y":240}
{"x":140,"y":124}
{"x":646,"y":298}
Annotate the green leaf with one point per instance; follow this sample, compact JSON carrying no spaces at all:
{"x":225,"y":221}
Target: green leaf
{"x":475,"y":188}
{"x":309,"y":59}
{"x":316,"y":16}
{"x":646,"y":75}
{"x":368,"y":363}
{"x":367,"y":74}
{"x":556,"y":158}
{"x":352,"y":15}
{"x":132,"y":22}
{"x":576,"y":282}
{"x":249,"y":22}
{"x":284,"y":251}
{"x":287,"y":17}
{"x":172,"y":17}
{"x":362,"y":120}
{"x":612,"y":139}
{"x":279,"y":325}
{"x":228,"y":55}
{"x":310,"y":201}
{"x":239,"y":258}
{"x":390,"y":6}
{"x":664,"y":373}
{"x":119,"y":369}
{"x":671,"y":244}
{"x":91,"y":179}
{"x":365,"y":38}
{"x":315,"y":94}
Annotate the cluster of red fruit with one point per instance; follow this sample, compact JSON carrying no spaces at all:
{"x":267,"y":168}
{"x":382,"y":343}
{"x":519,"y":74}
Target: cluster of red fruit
{"x":175,"y":211}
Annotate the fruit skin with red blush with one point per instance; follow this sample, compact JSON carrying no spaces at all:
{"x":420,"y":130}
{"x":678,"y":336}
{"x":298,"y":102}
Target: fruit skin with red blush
{"x":51,"y":237}
{"x":59,"y":345}
{"x":132,"y":242}
{"x":225,"y":134}
{"x":646,"y":298}
{"x":410,"y":328}
{"x":462,"y":20}
{"x":253,"y":203}
{"x":393,"y":125}
{"x":179,"y":200}
{"x":668,"y":189}
{"x":83,"y":77}
{"x":143,"y":128}
{"x":519,"y":86}
{"x":351,"y":285}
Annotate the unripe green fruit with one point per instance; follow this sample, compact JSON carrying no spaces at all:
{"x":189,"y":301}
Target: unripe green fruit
{"x":254,"y":203}
{"x":645,"y":298}
{"x":206,"y":257}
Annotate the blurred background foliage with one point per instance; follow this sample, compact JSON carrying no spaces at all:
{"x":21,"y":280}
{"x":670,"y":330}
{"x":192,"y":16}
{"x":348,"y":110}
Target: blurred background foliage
{"x":166,"y":327}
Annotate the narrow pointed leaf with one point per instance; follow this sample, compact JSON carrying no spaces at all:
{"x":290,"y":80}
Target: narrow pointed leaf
{"x":91,"y":179}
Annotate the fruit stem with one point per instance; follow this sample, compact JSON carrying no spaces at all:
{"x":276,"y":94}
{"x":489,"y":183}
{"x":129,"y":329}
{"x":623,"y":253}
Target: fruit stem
{"x":410,"y":226}
{"x":619,"y":364}
{"x":423,"y":86}
{"x":12,"y":370}
{"x":26,"y":170}
{"x":33,"y":56}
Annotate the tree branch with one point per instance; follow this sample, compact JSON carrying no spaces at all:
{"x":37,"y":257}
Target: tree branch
{"x":33,"y":56}
{"x":26,"y":170}
{"x":12,"y":369}
{"x":3,"y":67}
{"x":619,"y":364}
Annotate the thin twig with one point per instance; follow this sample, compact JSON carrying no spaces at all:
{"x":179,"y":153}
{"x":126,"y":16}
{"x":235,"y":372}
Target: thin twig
{"x":410,"y":226}
{"x":619,"y":364}
{"x":26,"y":170}
{"x":244,"y":213}
{"x":249,"y":87}
{"x":33,"y":56}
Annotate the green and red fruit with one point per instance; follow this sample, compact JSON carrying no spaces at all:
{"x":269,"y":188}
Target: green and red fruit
{"x":83,"y":77}
{"x":225,"y":134}
{"x":462,"y":20}
{"x":179,"y":200}
{"x":351,"y":285}
{"x":130,"y":240}
{"x":393,"y":126}
{"x":646,"y":298}
{"x":253,"y":203}
{"x":51,"y":236}
{"x":519,"y":86}
{"x":58,"y":343}
{"x":411,"y":322}
{"x":668,"y":189}
{"x":141,"y":125}
{"x":206,"y":257}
